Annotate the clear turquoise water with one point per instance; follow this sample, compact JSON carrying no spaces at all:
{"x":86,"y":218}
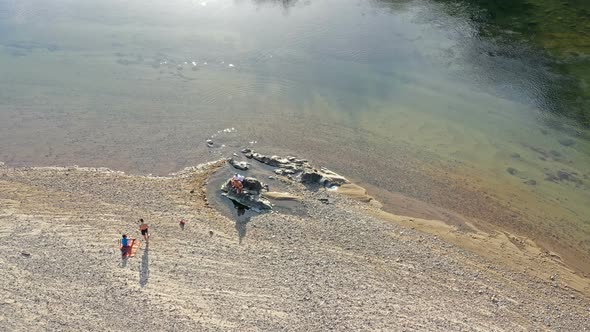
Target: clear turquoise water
{"x":397,"y":94}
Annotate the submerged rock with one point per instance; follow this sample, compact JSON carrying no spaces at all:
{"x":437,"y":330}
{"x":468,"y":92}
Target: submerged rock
{"x":512,"y":171}
{"x":567,"y":142}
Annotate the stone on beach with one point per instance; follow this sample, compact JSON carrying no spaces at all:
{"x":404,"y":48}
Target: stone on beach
{"x":241,"y":165}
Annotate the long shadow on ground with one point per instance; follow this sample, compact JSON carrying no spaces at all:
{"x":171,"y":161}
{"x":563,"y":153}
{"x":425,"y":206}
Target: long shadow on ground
{"x":144,"y":271}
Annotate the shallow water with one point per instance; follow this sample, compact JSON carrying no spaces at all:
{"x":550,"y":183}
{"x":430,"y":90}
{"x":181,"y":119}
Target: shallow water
{"x":400,"y":95}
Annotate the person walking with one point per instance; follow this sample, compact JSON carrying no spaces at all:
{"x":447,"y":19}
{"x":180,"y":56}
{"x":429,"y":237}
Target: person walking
{"x":144,"y":228}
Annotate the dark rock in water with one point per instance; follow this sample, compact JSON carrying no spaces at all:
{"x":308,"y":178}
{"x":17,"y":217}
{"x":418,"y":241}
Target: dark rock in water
{"x":209,"y":142}
{"x":512,"y":171}
{"x":515,"y":156}
{"x":567,"y":142}
{"x":253,"y":202}
{"x":25,"y":254}
{"x":564,"y":175}
{"x":253,"y":186}
{"x":310,"y":177}
{"x":241,"y":165}
{"x":551,"y":177}
{"x":531,"y":182}
{"x":250,"y":197}
{"x":248,"y":155}
{"x":246,"y":150}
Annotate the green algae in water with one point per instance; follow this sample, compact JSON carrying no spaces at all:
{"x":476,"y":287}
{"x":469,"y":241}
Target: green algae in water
{"x":559,"y":28}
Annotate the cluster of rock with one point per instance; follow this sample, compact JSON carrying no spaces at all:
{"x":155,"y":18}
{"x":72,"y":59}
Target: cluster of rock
{"x":293,"y":168}
{"x":298,"y":170}
{"x":251,"y":195}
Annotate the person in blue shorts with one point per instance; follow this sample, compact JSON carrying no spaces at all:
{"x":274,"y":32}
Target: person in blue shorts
{"x":125,"y":245}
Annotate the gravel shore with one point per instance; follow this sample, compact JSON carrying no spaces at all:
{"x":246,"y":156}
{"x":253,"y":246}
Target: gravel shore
{"x":339,"y":267}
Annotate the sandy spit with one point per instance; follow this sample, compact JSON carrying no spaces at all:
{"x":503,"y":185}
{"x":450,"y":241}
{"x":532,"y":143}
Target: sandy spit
{"x":344,"y":266}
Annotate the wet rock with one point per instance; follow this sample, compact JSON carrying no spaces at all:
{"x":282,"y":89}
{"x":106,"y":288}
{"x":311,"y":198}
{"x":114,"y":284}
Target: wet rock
{"x":310,"y":176}
{"x":323,"y":177}
{"x":25,"y":254}
{"x":252,"y":185}
{"x":209,"y":142}
{"x":300,"y":170}
{"x":512,"y":171}
{"x":250,"y":196}
{"x":246,"y":150}
{"x":241,"y":165}
{"x":531,"y":182}
{"x":567,"y":142}
{"x":253,"y":202}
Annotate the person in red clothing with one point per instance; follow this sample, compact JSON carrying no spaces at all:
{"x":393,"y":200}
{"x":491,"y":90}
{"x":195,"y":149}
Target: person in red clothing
{"x":236,"y":183}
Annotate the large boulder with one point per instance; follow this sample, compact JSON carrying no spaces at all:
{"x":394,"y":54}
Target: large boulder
{"x":250,"y":196}
{"x":310,"y":176}
{"x":253,"y":186}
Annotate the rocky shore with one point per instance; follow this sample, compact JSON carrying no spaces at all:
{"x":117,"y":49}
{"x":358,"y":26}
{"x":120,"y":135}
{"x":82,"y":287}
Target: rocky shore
{"x":344,"y":265}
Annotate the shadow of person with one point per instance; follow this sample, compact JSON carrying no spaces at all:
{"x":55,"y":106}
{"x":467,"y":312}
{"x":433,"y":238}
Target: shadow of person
{"x":144,"y":270}
{"x":242,"y":228}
